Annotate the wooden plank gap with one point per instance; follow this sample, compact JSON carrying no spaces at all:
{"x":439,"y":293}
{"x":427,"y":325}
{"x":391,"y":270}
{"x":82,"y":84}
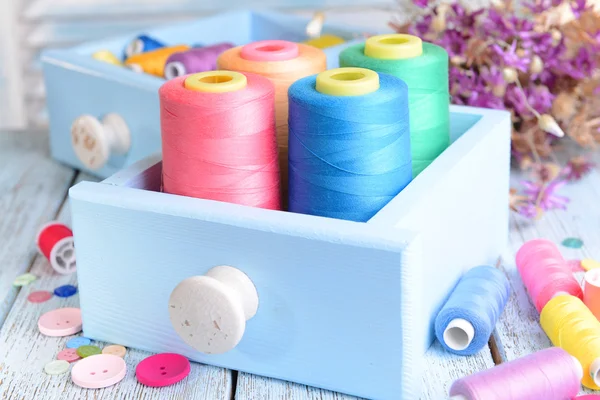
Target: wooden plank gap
{"x":234,"y":380}
{"x":496,"y":350}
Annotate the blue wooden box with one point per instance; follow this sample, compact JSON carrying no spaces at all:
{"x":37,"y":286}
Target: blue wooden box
{"x":343,"y":305}
{"x":79,"y":85}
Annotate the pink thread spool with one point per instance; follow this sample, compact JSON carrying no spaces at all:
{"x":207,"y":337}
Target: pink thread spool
{"x":218,"y":138}
{"x":199,"y":59}
{"x":55,"y":241}
{"x":591,"y":291}
{"x":549,"y":374}
{"x":545,"y":272}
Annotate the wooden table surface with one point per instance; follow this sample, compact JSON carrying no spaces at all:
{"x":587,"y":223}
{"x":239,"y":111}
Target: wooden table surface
{"x":33,"y":190}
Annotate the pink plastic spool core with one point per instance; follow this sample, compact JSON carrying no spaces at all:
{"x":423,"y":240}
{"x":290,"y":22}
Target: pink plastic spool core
{"x":270,"y":50}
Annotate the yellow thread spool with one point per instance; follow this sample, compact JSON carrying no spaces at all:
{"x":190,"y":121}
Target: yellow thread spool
{"x":396,"y":46}
{"x":571,"y":325}
{"x":347,"y":82}
{"x":107,"y":57}
{"x":153,"y":62}
{"x":325,"y":41}
{"x":216,"y":81}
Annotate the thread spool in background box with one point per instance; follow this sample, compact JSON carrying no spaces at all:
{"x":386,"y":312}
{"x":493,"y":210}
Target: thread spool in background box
{"x":107,"y":57}
{"x":55,"y":241}
{"x":153,"y":62}
{"x":141,"y":44}
{"x":571,"y":326}
{"x":466,"y":321}
{"x":218,"y":138}
{"x":283,"y":63}
{"x":544,"y":272}
{"x":197,"y":59}
{"x":325,"y":41}
{"x":424,"y":68}
{"x":591,"y":291}
{"x":549,"y":374}
{"x":349,"y":144}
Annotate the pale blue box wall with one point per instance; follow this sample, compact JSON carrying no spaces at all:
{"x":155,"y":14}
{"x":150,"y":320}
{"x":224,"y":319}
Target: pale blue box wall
{"x":77,"y":84}
{"x":344,"y":306}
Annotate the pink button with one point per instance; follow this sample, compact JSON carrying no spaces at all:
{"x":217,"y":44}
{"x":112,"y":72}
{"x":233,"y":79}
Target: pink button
{"x":69,"y":355}
{"x":39,"y":296}
{"x":60,"y":322}
{"x":98,"y":371}
{"x":270,"y":50}
{"x":162,"y":369}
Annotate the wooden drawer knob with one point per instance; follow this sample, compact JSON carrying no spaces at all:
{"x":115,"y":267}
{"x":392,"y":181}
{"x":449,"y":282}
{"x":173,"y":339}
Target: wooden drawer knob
{"x":94,"y":141}
{"x":209,"y":312}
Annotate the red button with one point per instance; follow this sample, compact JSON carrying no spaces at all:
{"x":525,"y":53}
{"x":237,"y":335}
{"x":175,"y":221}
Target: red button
{"x":162,"y":369}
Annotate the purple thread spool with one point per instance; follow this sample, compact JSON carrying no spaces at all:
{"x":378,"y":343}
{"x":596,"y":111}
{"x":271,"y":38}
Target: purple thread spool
{"x":195,"y":60}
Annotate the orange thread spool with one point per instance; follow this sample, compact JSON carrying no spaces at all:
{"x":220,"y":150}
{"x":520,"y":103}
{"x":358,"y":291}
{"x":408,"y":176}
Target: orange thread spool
{"x":153,"y":62}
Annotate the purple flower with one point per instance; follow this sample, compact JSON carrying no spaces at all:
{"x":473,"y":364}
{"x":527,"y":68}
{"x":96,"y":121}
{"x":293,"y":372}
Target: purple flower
{"x":582,"y":64}
{"x":421,"y":3}
{"x":578,"y":7}
{"x":509,"y":57}
{"x":577,"y":168}
{"x":462,"y":19}
{"x":539,"y":6}
{"x":421,"y":27}
{"x":544,"y":196}
{"x":538,"y":97}
{"x":454,"y":42}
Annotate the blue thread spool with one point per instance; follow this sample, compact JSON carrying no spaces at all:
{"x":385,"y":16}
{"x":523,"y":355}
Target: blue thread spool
{"x":141,"y":44}
{"x":465,"y":323}
{"x":349,"y":143}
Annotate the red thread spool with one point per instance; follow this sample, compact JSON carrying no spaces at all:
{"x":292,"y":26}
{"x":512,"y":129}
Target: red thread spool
{"x":218,"y":138}
{"x":545,"y":272}
{"x":55,"y":241}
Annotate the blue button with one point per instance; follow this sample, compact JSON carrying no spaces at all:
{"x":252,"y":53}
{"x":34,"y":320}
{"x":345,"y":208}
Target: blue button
{"x":76,"y":342}
{"x":65,"y":291}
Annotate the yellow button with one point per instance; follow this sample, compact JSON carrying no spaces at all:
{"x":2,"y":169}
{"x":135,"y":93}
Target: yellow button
{"x":347,"y":82}
{"x":396,"y":46}
{"x":216,"y":81}
{"x":107,"y":56}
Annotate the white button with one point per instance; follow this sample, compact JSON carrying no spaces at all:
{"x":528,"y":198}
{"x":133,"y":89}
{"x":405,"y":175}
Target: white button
{"x":93,"y":141}
{"x":210,"y":312}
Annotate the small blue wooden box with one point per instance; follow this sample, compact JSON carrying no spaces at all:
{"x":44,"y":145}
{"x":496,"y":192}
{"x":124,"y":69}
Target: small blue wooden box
{"x":344,"y":306}
{"x":79,"y":85}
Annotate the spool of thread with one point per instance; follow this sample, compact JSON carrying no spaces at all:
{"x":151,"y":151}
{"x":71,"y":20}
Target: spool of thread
{"x":141,"y":44}
{"x":153,"y":62}
{"x":55,"y":241}
{"x":571,"y":326}
{"x":107,"y":57}
{"x":325,"y":41}
{"x":549,"y":374}
{"x":544,"y":272}
{"x":349,"y":144}
{"x":591,"y":291}
{"x":283,"y":63}
{"x":424,"y":68}
{"x":197,"y":59}
{"x":218,"y":138}
{"x":465,"y":323}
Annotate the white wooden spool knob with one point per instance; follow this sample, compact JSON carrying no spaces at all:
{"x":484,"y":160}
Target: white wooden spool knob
{"x":209,"y":312}
{"x":94,"y":141}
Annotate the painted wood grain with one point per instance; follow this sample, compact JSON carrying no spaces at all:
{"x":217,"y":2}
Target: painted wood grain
{"x":24,"y":352}
{"x":32,"y":188}
{"x":442,"y":368}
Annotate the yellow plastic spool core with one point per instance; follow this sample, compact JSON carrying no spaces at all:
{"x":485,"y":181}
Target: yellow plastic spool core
{"x":106,"y":56}
{"x":216,"y":81}
{"x":395,"y":46}
{"x":325,"y":41}
{"x":347,"y":82}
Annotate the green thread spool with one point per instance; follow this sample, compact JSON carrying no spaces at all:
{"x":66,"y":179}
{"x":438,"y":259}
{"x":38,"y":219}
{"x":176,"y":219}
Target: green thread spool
{"x":424,"y":68}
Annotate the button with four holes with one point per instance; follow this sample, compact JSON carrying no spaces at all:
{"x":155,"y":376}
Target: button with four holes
{"x":87,"y":351}
{"x":69,"y":355}
{"x":98,"y":371}
{"x":79,"y":341}
{"x":162,"y":369}
{"x":60,"y":322}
